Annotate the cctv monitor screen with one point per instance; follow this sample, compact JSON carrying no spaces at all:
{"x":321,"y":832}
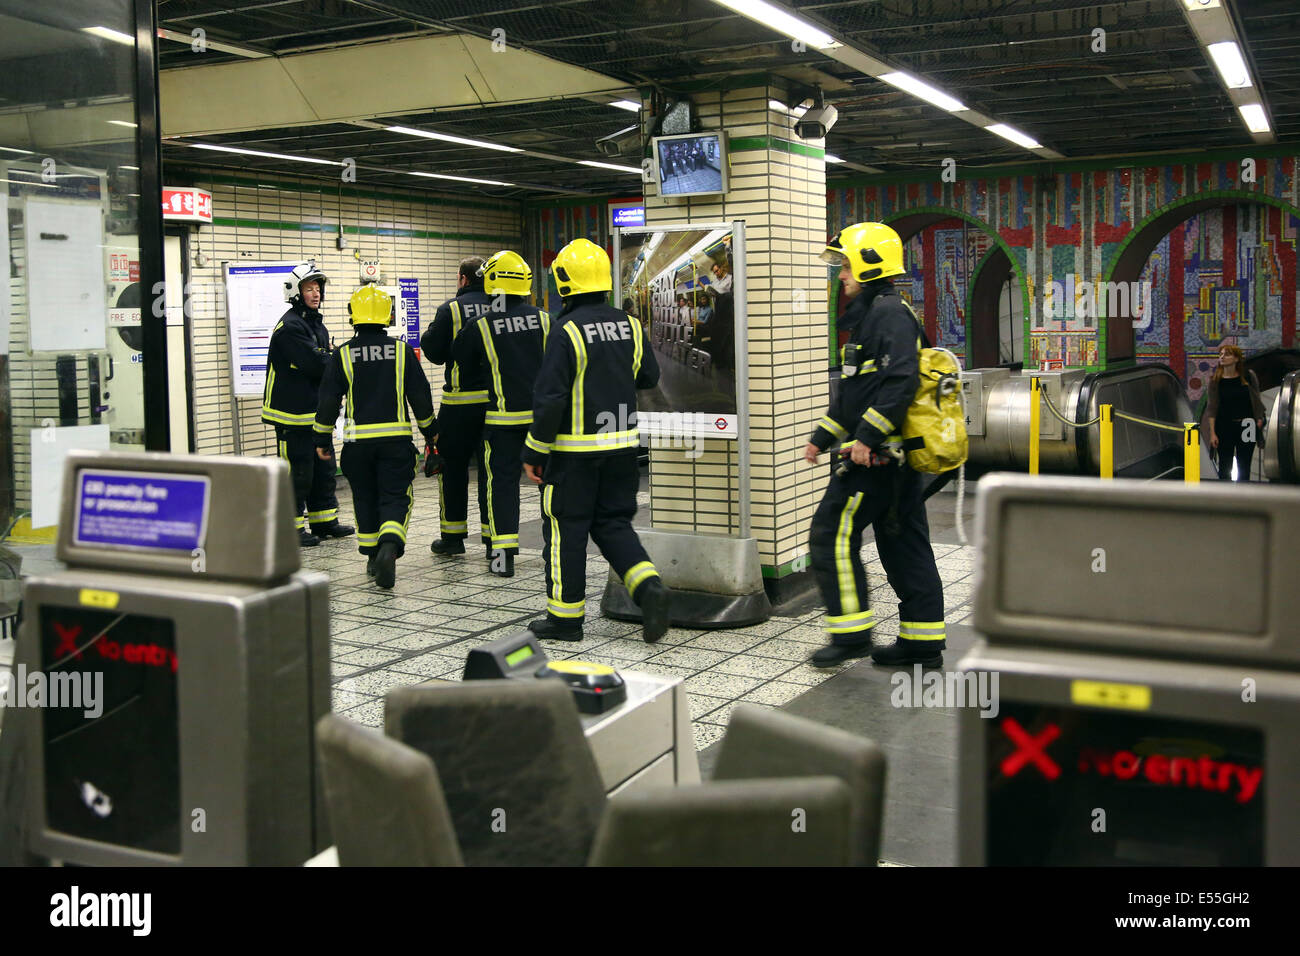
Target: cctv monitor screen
{"x":110,"y":727}
{"x":1079,"y":787}
{"x":692,"y":165}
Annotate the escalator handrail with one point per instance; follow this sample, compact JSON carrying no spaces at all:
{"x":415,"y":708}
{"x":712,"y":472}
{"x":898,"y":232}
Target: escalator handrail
{"x":1281,"y":431}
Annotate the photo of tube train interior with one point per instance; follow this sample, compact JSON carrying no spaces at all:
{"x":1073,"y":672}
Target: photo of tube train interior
{"x":651,"y":433}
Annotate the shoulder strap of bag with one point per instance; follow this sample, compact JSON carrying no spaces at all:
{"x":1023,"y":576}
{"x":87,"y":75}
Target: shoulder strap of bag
{"x":920,"y":326}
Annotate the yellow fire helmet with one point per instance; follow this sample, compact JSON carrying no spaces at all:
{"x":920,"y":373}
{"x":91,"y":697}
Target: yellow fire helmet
{"x":582,"y":266}
{"x":872,"y":250}
{"x":370,"y":305}
{"x":506,"y":273}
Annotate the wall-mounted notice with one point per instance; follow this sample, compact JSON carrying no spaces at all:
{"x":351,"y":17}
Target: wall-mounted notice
{"x":408,"y":311}
{"x":66,"y":300}
{"x":50,"y":446}
{"x":254,"y":304}
{"x":136,"y":509}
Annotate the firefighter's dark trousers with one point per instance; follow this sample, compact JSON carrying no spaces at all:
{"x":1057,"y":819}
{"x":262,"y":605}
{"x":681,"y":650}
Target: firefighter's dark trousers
{"x":380,"y":471}
{"x":501,"y":450}
{"x":586,"y":494}
{"x":865,"y":497}
{"x":313,"y":479}
{"x":460,"y":441}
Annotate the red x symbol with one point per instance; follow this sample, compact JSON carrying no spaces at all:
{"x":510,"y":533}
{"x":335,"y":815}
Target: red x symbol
{"x":1031,"y":749}
{"x":67,"y":640}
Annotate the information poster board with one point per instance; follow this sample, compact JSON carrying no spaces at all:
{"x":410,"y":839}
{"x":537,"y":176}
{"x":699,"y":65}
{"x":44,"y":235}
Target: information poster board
{"x":408,"y":311}
{"x":681,"y":285}
{"x":254,"y":304}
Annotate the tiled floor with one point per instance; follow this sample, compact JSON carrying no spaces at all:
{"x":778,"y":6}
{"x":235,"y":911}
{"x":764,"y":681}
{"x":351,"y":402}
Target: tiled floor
{"x":442,"y":607}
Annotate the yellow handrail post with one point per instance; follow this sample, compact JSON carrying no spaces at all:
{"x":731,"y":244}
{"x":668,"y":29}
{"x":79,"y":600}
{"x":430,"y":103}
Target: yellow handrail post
{"x":1191,"y":452}
{"x":1107,"y":443}
{"x":1034,"y":400}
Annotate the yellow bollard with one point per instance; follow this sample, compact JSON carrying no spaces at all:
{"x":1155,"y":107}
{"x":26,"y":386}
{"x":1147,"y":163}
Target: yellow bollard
{"x":1034,"y":399}
{"x":1107,"y":443}
{"x":1191,"y":452}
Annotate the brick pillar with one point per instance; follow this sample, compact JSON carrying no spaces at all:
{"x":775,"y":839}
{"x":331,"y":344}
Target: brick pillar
{"x":778,"y":187}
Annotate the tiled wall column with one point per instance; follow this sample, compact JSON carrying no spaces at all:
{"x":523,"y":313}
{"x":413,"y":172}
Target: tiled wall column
{"x":778,"y":187}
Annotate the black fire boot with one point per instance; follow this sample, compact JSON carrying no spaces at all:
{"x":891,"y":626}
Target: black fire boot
{"x":905,"y":652}
{"x":547,"y":629}
{"x":370,"y":566}
{"x":655,"y":601}
{"x":334,"y":530}
{"x":448,"y":546}
{"x":306,"y":539}
{"x":833,"y":654}
{"x":386,"y":565}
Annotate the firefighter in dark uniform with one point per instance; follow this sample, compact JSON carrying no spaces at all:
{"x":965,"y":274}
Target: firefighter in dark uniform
{"x":507,"y":344}
{"x":872,"y":484}
{"x":582,"y":446}
{"x":377,"y":376}
{"x":295,"y":362}
{"x":460,"y":415}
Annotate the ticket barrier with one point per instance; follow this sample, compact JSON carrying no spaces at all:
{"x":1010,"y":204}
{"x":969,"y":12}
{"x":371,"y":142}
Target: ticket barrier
{"x":193,"y":658}
{"x":1146,"y":694}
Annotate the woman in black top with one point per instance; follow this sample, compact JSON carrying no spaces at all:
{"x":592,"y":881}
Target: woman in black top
{"x":1233,"y":401}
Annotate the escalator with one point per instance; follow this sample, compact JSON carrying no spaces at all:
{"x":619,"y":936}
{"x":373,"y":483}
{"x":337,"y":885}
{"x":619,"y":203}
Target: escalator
{"x":1282,"y":434}
{"x":998,"y":413}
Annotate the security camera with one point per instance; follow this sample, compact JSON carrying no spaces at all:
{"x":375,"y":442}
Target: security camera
{"x":626,"y":142}
{"x":817,"y":122}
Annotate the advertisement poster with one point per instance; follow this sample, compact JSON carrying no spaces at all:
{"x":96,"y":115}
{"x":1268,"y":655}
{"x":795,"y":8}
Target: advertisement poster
{"x":680,"y":285}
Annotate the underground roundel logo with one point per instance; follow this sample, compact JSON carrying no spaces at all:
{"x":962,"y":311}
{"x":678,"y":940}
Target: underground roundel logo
{"x":720,"y":423}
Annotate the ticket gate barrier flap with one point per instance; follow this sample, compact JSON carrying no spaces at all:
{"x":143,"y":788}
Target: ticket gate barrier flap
{"x":1121,"y":567}
{"x":203,"y":750}
{"x":641,"y":738}
{"x":1184,"y":769}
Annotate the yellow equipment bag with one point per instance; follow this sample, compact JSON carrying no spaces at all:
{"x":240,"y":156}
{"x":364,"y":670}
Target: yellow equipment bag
{"x":934,"y":430}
